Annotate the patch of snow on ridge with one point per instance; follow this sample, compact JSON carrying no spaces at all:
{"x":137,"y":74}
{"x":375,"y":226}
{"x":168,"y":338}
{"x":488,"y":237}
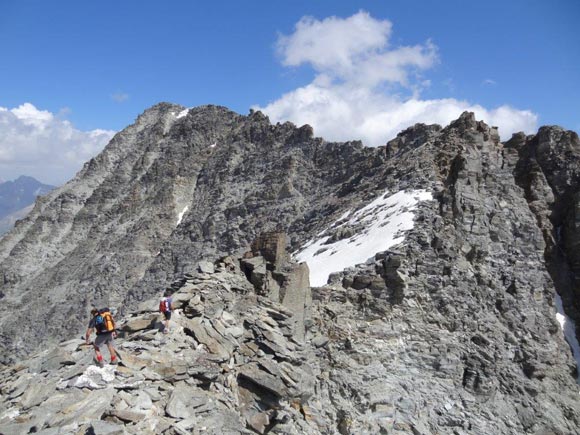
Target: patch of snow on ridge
{"x":182,"y":114}
{"x":569,"y":330}
{"x":384,"y":222}
{"x":93,"y":378}
{"x":180,"y":217}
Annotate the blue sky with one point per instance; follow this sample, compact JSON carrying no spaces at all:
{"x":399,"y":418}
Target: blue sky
{"x":89,"y":68}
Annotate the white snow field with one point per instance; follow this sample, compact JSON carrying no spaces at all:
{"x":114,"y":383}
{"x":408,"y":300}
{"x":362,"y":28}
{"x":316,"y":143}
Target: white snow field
{"x":376,"y":227}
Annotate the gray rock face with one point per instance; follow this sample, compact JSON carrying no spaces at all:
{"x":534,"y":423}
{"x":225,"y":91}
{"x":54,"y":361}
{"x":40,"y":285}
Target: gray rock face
{"x":361,"y":368}
{"x":202,"y":375}
{"x":164,"y":193}
{"x":452,"y":331}
{"x":268,"y":269}
{"x":547,"y":167}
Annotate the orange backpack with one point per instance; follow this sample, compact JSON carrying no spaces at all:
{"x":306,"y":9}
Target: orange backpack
{"x":104,"y":321}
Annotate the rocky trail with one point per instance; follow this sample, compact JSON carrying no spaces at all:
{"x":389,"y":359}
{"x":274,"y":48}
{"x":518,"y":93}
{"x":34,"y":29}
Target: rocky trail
{"x":252,"y":348}
{"x":229,"y":364}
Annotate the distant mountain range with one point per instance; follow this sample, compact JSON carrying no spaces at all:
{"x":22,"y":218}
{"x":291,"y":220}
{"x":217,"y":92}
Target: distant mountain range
{"x":16,"y":199}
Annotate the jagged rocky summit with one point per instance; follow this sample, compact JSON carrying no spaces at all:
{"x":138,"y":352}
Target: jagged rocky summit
{"x":438,"y":262}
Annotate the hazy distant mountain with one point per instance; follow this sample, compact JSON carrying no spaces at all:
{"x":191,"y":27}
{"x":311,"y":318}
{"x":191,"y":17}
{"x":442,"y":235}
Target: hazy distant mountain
{"x":7,"y":222}
{"x":16,"y":197}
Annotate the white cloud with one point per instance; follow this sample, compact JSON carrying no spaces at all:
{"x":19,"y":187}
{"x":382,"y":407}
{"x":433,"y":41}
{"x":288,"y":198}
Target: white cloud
{"x":353,"y":50}
{"x":120,"y":97}
{"x":365,"y":89}
{"x":37,"y":143}
{"x":334,"y":43}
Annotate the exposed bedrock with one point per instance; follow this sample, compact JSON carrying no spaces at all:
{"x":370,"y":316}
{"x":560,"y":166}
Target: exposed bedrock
{"x":547,"y":167}
{"x":452,"y":329}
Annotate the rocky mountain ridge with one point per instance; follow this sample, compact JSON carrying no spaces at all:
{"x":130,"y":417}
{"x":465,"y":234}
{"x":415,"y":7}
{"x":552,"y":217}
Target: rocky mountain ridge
{"x":245,"y":355}
{"x":456,"y":310}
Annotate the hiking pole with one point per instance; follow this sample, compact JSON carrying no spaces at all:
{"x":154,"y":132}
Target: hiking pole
{"x":85,"y":342}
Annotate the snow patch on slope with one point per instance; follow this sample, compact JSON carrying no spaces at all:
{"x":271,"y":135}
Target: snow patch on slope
{"x":569,"y":330}
{"x":375,"y":228}
{"x":182,"y":114}
{"x":180,"y":216}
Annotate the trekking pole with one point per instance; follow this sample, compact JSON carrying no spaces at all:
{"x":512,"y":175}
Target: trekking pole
{"x":84,"y":343}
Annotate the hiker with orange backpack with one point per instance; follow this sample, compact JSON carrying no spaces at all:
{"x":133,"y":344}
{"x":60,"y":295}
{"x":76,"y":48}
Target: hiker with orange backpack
{"x":104,"y":325}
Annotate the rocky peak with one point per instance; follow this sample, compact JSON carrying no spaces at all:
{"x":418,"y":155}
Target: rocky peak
{"x":446,"y":319}
{"x":466,"y":121}
{"x":17,"y":198}
{"x":559,"y":137}
{"x":411,"y":138}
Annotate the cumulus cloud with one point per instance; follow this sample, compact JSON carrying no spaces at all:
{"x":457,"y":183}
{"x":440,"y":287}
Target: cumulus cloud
{"x":37,"y":143}
{"x":364,"y":88}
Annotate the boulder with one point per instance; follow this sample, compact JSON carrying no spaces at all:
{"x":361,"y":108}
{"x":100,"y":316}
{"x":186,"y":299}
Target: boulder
{"x":87,"y":410}
{"x":297,"y":297}
{"x":35,"y":394}
{"x":56,"y":359}
{"x":272,"y":246}
{"x":128,"y":415}
{"x":101,"y":427}
{"x":206,"y":267}
{"x":183,"y":402}
{"x":204,"y":333}
{"x":320,"y":341}
{"x":263,"y":380}
{"x":259,"y":421}
{"x":140,"y":323}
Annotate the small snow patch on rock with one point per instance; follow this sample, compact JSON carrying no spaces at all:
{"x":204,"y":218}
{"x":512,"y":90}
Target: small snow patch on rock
{"x":180,"y":216}
{"x":182,"y":114}
{"x":569,"y":330}
{"x":95,"y":377}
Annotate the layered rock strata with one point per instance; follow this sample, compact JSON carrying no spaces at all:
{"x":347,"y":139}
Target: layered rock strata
{"x":231,"y":364}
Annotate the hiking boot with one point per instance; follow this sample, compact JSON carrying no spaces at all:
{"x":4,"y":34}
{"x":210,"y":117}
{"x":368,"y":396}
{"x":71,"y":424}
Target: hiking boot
{"x":101,"y":363}
{"x":115,"y":361}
